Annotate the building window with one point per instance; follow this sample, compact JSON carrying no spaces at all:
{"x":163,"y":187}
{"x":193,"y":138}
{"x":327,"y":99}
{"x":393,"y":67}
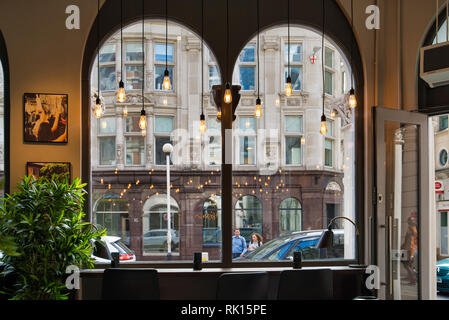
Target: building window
{"x":214,"y":74}
{"x":133,"y":66}
{"x":248,"y":216}
{"x":443,"y":157}
{"x":344,"y":88}
{"x":106,"y":141}
{"x":329,"y":72}
{"x":212,"y":221}
{"x":296,"y":65}
{"x":134,"y":142}
{"x":155,"y":225}
{"x":444,"y":234}
{"x":160,"y":64}
{"x":107,"y":68}
{"x":290,"y":213}
{"x":443,"y":123}
{"x":247,"y":68}
{"x":111,"y":212}
{"x":163,"y":127}
{"x":293,"y":137}
{"x":247,"y":140}
{"x":214,"y":145}
{"x":329,"y":144}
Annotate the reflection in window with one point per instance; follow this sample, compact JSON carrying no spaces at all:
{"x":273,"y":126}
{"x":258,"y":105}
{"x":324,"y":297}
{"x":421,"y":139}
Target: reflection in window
{"x":159,"y":76}
{"x":107,"y":76}
{"x":111,"y":212}
{"x":135,"y":150}
{"x":212,"y":221}
{"x":160,"y":50}
{"x":248,"y":216}
{"x":155,"y":225}
{"x":443,"y":122}
{"x":134,"y":75}
{"x":134,"y":52}
{"x":290,"y":216}
{"x":295,"y":53}
{"x":296,"y":76}
{"x":107,"y":150}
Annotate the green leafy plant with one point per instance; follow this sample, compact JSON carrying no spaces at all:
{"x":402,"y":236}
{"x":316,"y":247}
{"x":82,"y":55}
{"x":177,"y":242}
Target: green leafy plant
{"x":42,"y":224}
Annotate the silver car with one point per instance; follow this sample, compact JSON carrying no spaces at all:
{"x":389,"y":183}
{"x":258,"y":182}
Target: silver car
{"x":156,"y":240}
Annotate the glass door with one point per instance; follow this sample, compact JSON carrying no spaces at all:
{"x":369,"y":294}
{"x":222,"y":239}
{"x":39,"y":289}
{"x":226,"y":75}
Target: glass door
{"x":402,"y":182}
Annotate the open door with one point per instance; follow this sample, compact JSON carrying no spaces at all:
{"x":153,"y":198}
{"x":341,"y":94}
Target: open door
{"x":405,"y":251}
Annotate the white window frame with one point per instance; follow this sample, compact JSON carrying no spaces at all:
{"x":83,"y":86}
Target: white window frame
{"x":249,"y":135}
{"x":169,"y":64}
{"x":286,"y":134}
{"x":133,"y":134}
{"x":333,"y":139}
{"x":162,"y":135}
{"x":106,"y":135}
{"x":284,"y":63}
{"x":332,"y":70}
{"x":248,"y":64}
{"x":110,"y":64}
{"x":126,"y":63}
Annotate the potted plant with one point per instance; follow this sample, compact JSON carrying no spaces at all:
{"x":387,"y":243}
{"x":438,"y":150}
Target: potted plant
{"x":42,"y":228}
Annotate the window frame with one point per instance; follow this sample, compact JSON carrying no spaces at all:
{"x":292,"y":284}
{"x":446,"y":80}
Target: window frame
{"x":169,"y":64}
{"x":286,"y":134}
{"x":133,"y":134}
{"x":163,"y":135}
{"x":284,"y":63}
{"x":106,"y":135}
{"x":138,"y":63}
{"x":240,"y":135}
{"x":333,"y":139}
{"x":247,"y":64}
{"x":331,"y":70}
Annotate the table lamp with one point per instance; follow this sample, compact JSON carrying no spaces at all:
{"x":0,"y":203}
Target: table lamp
{"x":327,"y":240}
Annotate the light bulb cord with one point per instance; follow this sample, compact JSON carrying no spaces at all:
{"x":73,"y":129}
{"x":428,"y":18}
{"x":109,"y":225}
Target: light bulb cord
{"x":202,"y":58}
{"x":98,"y":46}
{"x":227,"y":40}
{"x":322,"y":53}
{"x":166,"y":34}
{"x":258,"y":55}
{"x":143,"y":54}
{"x":352,"y":44}
{"x":288,"y":37}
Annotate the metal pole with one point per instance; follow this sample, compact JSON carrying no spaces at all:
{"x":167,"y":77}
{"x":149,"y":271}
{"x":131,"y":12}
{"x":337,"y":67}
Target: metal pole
{"x":168,"y":209}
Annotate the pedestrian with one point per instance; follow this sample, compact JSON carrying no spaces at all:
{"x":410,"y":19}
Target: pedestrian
{"x":238,"y":244}
{"x":256,"y":241}
{"x":411,"y":246}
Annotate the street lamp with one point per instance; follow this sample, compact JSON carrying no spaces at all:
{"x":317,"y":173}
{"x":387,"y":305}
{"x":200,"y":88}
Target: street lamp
{"x":168,"y":149}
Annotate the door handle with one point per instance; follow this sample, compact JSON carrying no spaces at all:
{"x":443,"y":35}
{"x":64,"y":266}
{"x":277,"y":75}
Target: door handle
{"x":380,"y":198}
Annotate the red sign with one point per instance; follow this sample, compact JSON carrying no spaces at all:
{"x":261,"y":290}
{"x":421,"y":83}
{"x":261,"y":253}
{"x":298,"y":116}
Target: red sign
{"x":439,"y":189}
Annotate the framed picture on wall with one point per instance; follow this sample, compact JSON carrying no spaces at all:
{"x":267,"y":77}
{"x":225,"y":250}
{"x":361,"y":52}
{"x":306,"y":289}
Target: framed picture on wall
{"x":45,"y":118}
{"x":51,"y":170}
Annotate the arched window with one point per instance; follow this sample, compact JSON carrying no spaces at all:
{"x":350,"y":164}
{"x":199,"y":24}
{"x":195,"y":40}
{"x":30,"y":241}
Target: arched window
{"x":290,"y":216}
{"x":248,"y":216}
{"x":212,"y":221}
{"x":155,"y":225}
{"x":111,"y":212}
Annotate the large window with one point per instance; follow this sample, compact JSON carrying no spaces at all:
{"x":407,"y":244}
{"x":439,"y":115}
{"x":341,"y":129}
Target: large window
{"x":248,"y":216}
{"x":290,"y":216}
{"x":329,"y":72}
{"x":111,"y":212}
{"x":281,"y":163}
{"x":156,"y":227}
{"x":107,"y":67}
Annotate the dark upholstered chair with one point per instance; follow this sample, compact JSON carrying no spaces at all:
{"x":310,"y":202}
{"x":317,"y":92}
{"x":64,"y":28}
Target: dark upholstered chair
{"x":243,"y":286}
{"x":130,"y":284}
{"x":306,"y":285}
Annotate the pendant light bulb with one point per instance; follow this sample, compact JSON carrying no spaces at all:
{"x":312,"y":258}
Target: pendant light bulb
{"x":203,"y":127}
{"x":166,"y":84}
{"x":125,"y":111}
{"x":323,"y":128}
{"x":352,"y":99}
{"x":143,"y":120}
{"x":228,"y":94}
{"x":98,"y":111}
{"x":219,"y":114}
{"x":121,"y":95}
{"x":288,"y":87}
{"x":258,"y":111}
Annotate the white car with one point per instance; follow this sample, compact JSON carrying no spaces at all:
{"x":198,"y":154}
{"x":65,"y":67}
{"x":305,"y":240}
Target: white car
{"x":103,"y":249}
{"x":157,"y":239}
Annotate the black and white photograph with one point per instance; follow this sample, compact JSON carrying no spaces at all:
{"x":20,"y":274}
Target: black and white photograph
{"x":45,"y":118}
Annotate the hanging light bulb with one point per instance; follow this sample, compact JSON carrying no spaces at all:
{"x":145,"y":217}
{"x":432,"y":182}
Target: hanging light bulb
{"x":288,"y":87}
{"x":143,"y":120}
{"x":228,"y":94}
{"x":323,"y":128}
{"x":258,"y":111}
{"x":203,"y":127}
{"x":121,"y":95}
{"x":125,"y":111}
{"x":98,"y":111}
{"x":166,"y":84}
{"x":219,"y":114}
{"x":352,"y":99}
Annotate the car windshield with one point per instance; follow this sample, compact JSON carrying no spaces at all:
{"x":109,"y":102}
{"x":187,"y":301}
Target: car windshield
{"x":121,"y":247}
{"x":270,"y":246}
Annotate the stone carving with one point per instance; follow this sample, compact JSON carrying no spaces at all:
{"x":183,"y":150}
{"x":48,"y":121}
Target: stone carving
{"x":119,"y":153}
{"x":341,"y":107}
{"x":333,"y":186}
{"x":149,"y":153}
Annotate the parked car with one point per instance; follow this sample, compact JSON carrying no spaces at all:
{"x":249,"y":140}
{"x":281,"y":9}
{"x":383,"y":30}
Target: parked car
{"x":103,"y":249}
{"x":157,"y":240}
{"x":443,"y":275}
{"x":282,"y":248}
